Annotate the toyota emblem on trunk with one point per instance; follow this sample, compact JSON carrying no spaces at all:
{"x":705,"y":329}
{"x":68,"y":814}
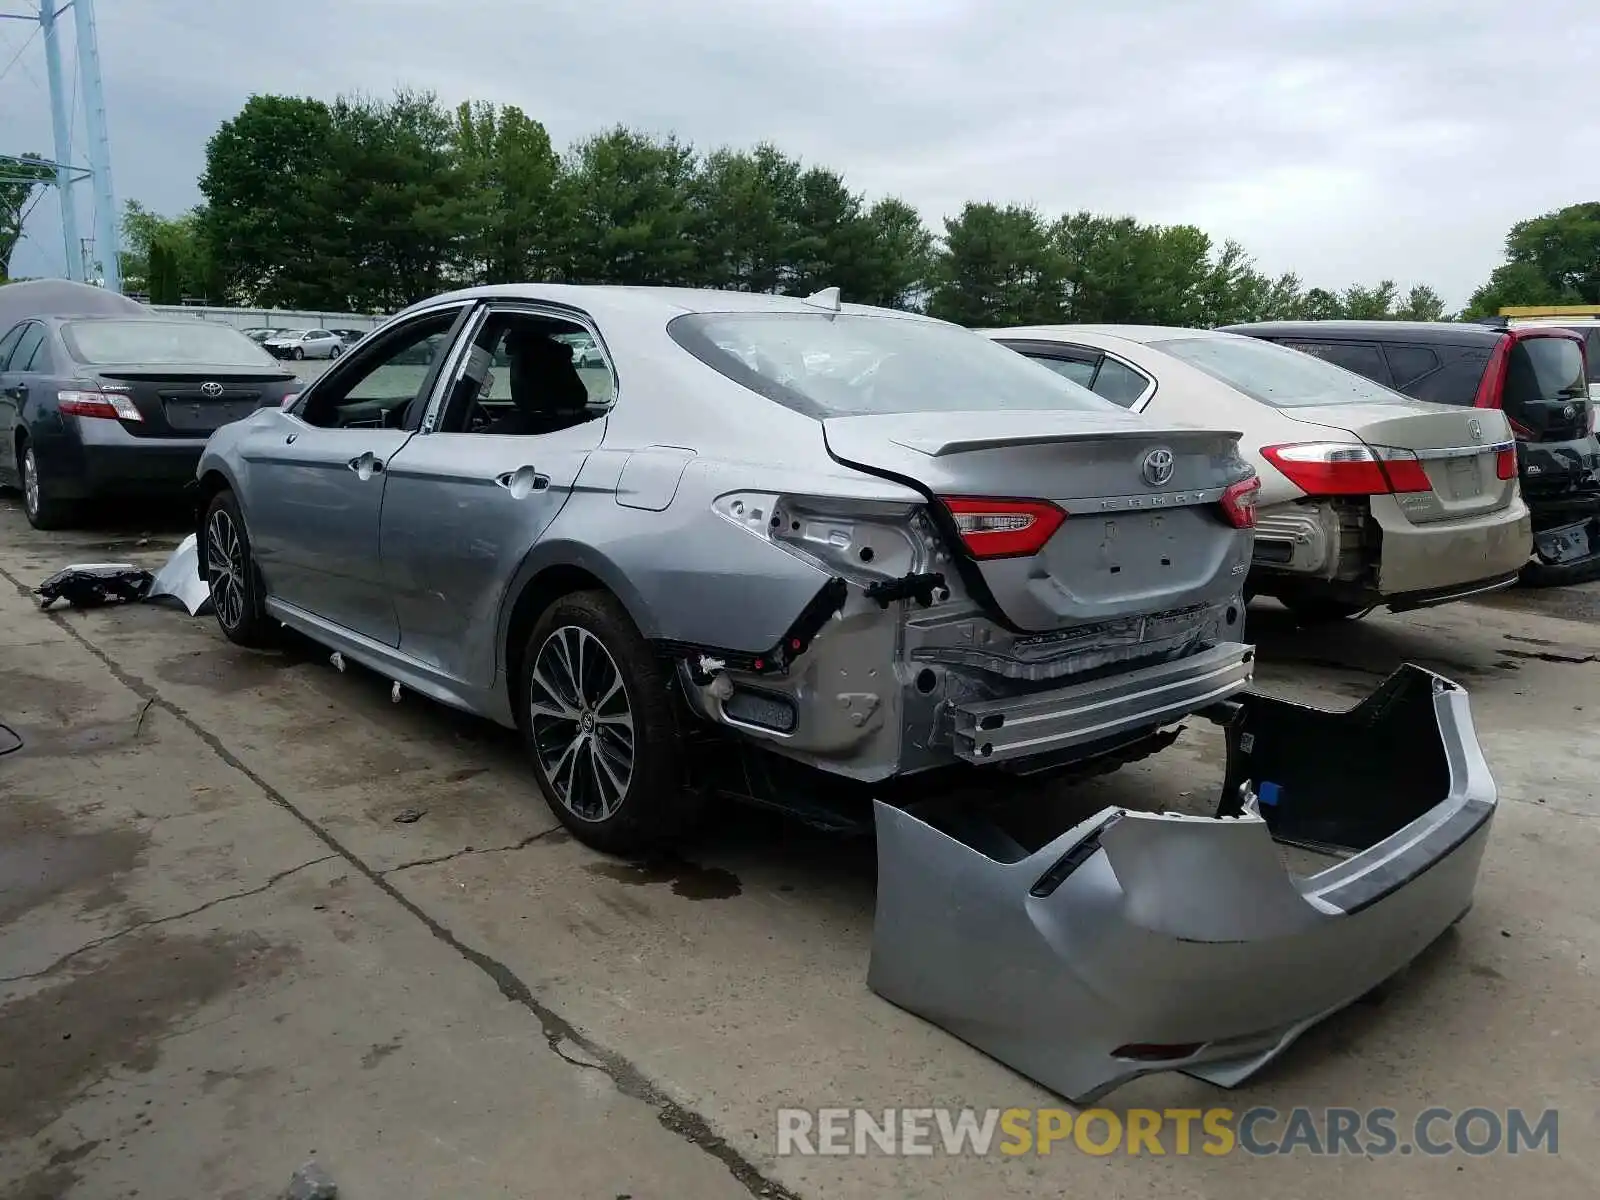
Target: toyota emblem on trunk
{"x":1158,"y":466}
{"x":1475,"y":429}
{"x":211,"y":389}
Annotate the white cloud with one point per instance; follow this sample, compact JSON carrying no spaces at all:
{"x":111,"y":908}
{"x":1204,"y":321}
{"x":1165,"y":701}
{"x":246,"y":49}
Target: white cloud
{"x":1347,"y":142}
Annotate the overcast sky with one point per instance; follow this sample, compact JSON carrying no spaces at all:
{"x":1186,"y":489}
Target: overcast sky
{"x":1345,"y":140}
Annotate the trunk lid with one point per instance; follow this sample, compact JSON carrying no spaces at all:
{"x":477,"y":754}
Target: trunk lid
{"x":1456,"y":448}
{"x":1130,"y":542}
{"x":193,"y":400}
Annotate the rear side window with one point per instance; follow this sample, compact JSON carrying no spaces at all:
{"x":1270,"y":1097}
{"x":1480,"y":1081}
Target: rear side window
{"x":1456,"y":380}
{"x":1361,"y":357}
{"x":1593,"y":349}
{"x":855,"y":364}
{"x":1274,"y":374}
{"x":1544,"y":368}
{"x":1081,"y":373}
{"x":1407,"y":364}
{"x":1119,"y":383}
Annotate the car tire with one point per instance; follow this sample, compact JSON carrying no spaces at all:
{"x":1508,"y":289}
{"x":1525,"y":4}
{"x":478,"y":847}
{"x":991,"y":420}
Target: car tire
{"x":604,"y":739}
{"x":43,"y":510}
{"x":231,"y":576}
{"x":335,"y":352}
{"x":297,"y":354}
{"x":1320,"y":610}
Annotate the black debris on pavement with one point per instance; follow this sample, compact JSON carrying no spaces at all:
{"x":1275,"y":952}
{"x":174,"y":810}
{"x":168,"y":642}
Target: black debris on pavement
{"x":95,"y":585}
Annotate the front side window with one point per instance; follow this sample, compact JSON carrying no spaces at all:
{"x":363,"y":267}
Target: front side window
{"x":9,"y":343}
{"x":1273,"y":374}
{"x":376,"y":390}
{"x":854,"y":364}
{"x":28,"y":347}
{"x":165,"y":343}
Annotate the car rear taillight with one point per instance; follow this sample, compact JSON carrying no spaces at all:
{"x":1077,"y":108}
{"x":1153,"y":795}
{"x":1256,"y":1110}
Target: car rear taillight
{"x":1003,"y":528}
{"x":1492,"y":385}
{"x":112,"y":406}
{"x":1348,"y":469}
{"x":1239,"y":503}
{"x":1505,"y":462}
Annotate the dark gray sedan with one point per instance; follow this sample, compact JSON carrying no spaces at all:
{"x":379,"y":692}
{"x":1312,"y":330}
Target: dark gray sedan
{"x":113,"y":405}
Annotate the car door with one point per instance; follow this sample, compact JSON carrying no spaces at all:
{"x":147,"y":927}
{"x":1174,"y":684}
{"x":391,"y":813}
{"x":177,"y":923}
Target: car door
{"x":464,"y":505}
{"x":316,"y":475}
{"x":8,"y":404}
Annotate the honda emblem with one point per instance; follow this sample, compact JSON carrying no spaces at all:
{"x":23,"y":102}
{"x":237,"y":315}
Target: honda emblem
{"x":212,"y":390}
{"x":1475,"y":429}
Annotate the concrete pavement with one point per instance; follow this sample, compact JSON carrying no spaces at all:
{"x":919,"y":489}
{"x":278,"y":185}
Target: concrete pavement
{"x":222,"y":954}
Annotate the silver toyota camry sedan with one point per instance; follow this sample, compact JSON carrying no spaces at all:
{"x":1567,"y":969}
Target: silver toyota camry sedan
{"x":870,"y":542}
{"x":825,"y":557}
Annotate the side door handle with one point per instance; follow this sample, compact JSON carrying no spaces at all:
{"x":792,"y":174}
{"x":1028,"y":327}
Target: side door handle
{"x":522,"y":482}
{"x":366,"y":465}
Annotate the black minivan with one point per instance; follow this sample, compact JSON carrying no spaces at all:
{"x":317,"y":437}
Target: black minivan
{"x":1536,"y":374}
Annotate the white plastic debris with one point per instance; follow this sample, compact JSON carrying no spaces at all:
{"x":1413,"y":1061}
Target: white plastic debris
{"x":394,"y":693}
{"x":337,"y":660}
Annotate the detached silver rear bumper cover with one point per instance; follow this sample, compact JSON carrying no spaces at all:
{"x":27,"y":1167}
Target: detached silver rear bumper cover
{"x":1139,"y":942}
{"x":988,"y":731}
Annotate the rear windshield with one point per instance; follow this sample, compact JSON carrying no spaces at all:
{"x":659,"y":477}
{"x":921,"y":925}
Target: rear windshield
{"x":853,"y":365}
{"x":1544,"y":368}
{"x":165,"y":342}
{"x":1273,"y":374}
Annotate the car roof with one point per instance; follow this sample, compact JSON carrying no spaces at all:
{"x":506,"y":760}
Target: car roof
{"x":1445,"y":332}
{"x":36,"y":298}
{"x":1127,"y":333}
{"x":665,"y":302}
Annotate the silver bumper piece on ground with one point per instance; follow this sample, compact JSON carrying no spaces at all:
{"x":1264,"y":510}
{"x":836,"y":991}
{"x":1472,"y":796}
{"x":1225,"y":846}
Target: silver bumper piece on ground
{"x":1139,"y":942}
{"x":180,"y":578}
{"x":988,"y":731}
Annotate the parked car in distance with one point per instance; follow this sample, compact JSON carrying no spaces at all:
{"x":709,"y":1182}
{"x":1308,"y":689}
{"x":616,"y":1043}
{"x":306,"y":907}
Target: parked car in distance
{"x":107,"y":406}
{"x":261,"y":334}
{"x":1534,"y":373}
{"x":1368,"y":498}
{"x":305,"y":343}
{"x":349,"y":336}
{"x":841,"y":557}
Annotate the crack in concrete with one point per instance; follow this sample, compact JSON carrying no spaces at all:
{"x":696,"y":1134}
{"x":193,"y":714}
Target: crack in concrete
{"x":462,"y":853}
{"x":624,"y":1076}
{"x":272,"y":881}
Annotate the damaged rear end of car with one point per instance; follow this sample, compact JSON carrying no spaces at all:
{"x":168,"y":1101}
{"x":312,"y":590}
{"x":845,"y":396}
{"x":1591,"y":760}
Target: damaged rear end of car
{"x":1061,"y":582}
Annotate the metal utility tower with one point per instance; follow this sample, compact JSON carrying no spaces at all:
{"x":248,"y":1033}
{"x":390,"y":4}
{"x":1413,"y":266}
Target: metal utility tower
{"x":87,"y":46}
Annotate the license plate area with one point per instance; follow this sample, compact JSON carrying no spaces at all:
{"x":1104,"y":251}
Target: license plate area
{"x":1463,"y":478}
{"x":205,"y":416}
{"x":1566,"y":544}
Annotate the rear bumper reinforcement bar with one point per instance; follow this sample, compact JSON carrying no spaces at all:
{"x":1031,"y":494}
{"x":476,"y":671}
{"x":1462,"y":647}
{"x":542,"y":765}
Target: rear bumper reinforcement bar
{"x":989,"y":731}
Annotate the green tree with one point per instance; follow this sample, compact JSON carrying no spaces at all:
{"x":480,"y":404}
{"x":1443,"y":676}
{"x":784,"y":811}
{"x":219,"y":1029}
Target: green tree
{"x":1550,"y":259}
{"x":262,"y":215}
{"x":23,"y":175}
{"x":902,"y":256}
{"x":193,"y":271}
{"x":1422,"y":303}
{"x":999,"y":267}
{"x":745,"y":219}
{"x":514,"y":224}
{"x":631,"y":203}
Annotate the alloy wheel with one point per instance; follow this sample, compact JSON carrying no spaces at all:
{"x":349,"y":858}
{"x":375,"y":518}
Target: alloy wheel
{"x":582,"y":723}
{"x":225,"y":571}
{"x":30,"y":481}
